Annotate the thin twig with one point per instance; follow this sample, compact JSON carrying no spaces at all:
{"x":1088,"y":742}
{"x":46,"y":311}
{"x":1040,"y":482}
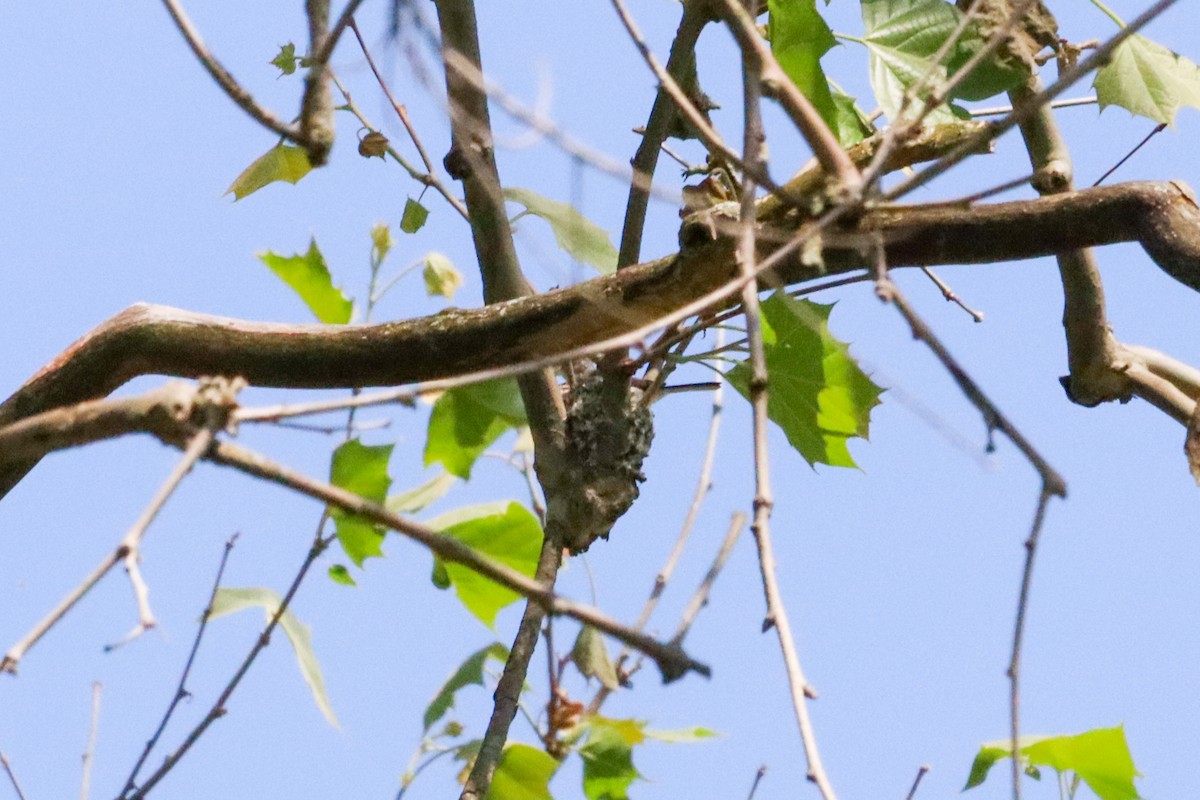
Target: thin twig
{"x":992,"y":416}
{"x":1014,"y":666}
{"x":181,"y":691}
{"x":218,"y":708}
{"x":12,"y":776}
{"x":949,"y":294}
{"x":753,"y":148}
{"x":1159,"y":128}
{"x":89,"y":751}
{"x":225,"y":80}
{"x":700,"y":597}
{"x":127,"y":546}
{"x":758,"y":776}
{"x":921,"y":772}
{"x":323,"y":55}
{"x":997,"y":111}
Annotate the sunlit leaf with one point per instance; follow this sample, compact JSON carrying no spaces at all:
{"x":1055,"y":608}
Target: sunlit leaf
{"x":465,"y":421}
{"x":1100,"y":758}
{"x":903,"y":36}
{"x":506,"y":532}
{"x":381,"y":241}
{"x":309,"y":278}
{"x":818,"y":395}
{"x":441,"y":276}
{"x":523,"y":773}
{"x":421,"y":496}
{"x":852,"y":124}
{"x":363,"y":470}
{"x":590,"y":655}
{"x":681,"y":735}
{"x":1149,"y":80}
{"x":799,"y":37}
{"x":470,"y":672}
{"x":575,"y":233}
{"x":414,"y":216}
{"x":339,"y":574}
{"x":608,"y":769}
{"x":228,"y":601}
{"x":286,"y":60}
{"x":281,"y":163}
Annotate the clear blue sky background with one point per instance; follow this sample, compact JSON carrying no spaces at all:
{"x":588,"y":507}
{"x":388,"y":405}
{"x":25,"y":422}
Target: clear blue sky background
{"x":901,"y":578}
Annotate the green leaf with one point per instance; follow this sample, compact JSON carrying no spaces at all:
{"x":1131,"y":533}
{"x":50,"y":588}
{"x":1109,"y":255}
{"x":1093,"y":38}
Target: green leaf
{"x":414,"y":216}
{"x":228,"y":601}
{"x":1100,"y":758}
{"x":465,"y":421}
{"x":582,"y":239}
{"x":339,"y":574}
{"x":310,"y":279}
{"x":381,"y":242}
{"x":591,"y":657}
{"x":1148,"y":80}
{"x":903,"y":36}
{"x":852,"y":124}
{"x":281,"y":163}
{"x":421,"y":496}
{"x":470,"y":672}
{"x":817,"y":392}
{"x":523,"y":773}
{"x":608,"y":769}
{"x":506,"y":532}
{"x":681,"y":735}
{"x":363,"y":470}
{"x":441,"y":276}
{"x":799,"y":38}
{"x":286,"y":60}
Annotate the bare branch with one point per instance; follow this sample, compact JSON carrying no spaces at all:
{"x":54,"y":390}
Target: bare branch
{"x":12,"y":777}
{"x":89,"y":750}
{"x":700,"y":598}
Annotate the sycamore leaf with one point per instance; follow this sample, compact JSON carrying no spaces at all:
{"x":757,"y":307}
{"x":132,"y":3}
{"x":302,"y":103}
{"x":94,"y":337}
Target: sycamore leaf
{"x":441,"y":276}
{"x":1149,"y":80}
{"x":465,"y":421}
{"x":576,"y":234}
{"x":523,"y":773}
{"x":309,"y":278}
{"x":590,"y":655}
{"x":817,"y":393}
{"x":228,"y":601}
{"x":414,"y":216}
{"x":1100,"y":758}
{"x":799,"y":38}
{"x":421,"y":496}
{"x":506,"y":532}
{"x":470,"y":672}
{"x":608,"y":769}
{"x":852,"y":124}
{"x":281,"y":163}
{"x":903,"y":36}
{"x":286,"y":60}
{"x":362,"y":469}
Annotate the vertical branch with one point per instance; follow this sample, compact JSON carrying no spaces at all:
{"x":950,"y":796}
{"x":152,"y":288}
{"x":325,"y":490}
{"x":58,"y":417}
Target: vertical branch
{"x":662,"y":114}
{"x":754,"y":141}
{"x":316,"y":110}
{"x":89,"y":751}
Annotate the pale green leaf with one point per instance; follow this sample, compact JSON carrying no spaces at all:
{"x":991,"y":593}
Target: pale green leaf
{"x":505,"y":532}
{"x":817,"y":394}
{"x":228,"y":601}
{"x":1148,"y":80}
{"x":1100,"y":758}
{"x":286,"y":59}
{"x":363,"y":470}
{"x":608,"y":768}
{"x":470,"y":672}
{"x":523,"y":773}
{"x":465,"y":421}
{"x":381,"y":241}
{"x":799,"y":38}
{"x":590,"y":655}
{"x":575,"y":233}
{"x":681,"y":735}
{"x":309,"y":278}
{"x":281,"y":163}
{"x":414,"y":216}
{"x":421,"y":496}
{"x":339,"y":574}
{"x":441,"y":276}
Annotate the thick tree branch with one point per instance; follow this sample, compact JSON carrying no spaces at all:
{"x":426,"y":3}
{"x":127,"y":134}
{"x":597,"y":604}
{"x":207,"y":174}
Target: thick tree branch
{"x":1163,"y":217}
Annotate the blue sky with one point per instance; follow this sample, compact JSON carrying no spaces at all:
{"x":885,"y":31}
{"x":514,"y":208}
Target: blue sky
{"x":901,"y":577}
